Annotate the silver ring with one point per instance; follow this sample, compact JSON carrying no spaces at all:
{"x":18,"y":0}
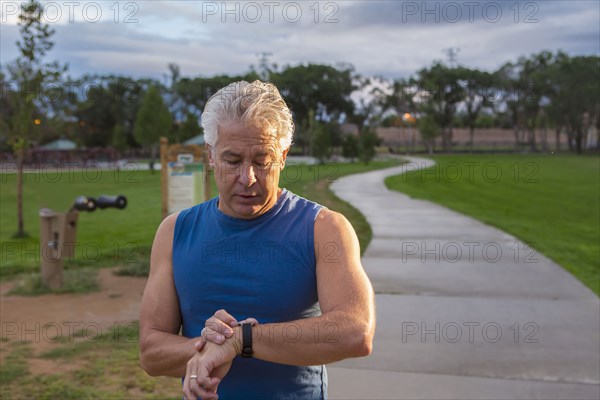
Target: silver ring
{"x":202,"y":332}
{"x":193,"y":376}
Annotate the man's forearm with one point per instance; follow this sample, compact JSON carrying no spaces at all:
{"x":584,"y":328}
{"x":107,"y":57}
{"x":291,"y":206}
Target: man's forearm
{"x":312,"y":341}
{"x":166,"y":354}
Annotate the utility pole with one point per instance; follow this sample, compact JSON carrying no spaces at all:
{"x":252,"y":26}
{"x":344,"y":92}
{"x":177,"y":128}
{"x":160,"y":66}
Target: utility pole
{"x":263,"y":65}
{"x":452,"y":53}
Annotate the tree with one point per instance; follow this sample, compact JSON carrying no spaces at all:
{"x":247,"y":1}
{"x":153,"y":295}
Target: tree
{"x":29,"y":73}
{"x":476,"y":84}
{"x":320,"y":138}
{"x":534,"y":74}
{"x":573,"y":96}
{"x":441,"y":93}
{"x":153,"y":121}
{"x":525,"y":87}
{"x":322,"y":88}
{"x":401,"y":100}
{"x":113,"y":100}
{"x":119,"y":138}
{"x":368,"y":142}
{"x":189,"y":128}
{"x":195,"y":92}
{"x":429,"y":130}
{"x":350,"y":147}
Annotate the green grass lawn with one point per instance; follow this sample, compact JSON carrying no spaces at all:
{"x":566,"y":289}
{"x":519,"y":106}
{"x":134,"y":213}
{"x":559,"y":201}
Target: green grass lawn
{"x":550,"y":202}
{"x":115,"y":237}
{"x":104,"y":237}
{"x":106,"y":367}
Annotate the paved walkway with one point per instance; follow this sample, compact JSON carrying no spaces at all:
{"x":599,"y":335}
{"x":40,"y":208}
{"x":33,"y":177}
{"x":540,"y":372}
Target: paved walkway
{"x":464,"y":311}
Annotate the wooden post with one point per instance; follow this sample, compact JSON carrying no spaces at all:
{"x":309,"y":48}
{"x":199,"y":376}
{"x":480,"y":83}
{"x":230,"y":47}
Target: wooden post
{"x":57,"y":242}
{"x":164,"y":149}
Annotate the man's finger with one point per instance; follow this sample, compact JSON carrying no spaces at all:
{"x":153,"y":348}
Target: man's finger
{"x":252,"y":321}
{"x":214,"y":336}
{"x":207,"y":387}
{"x":206,"y":392}
{"x":187,"y":394}
{"x":200,"y":344}
{"x":202,"y":391}
{"x":226,"y":318}
{"x":217,"y":325}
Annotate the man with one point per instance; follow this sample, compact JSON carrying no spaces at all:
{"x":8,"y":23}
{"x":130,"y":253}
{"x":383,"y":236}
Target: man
{"x":256,"y":252}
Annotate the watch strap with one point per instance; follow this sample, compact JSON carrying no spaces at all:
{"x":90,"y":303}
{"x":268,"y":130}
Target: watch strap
{"x":247,"y":351}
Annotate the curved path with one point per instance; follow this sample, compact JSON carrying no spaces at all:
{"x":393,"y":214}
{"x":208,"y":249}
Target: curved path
{"x":464,"y":310}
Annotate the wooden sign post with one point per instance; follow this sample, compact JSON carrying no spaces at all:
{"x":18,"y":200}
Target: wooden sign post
{"x":184,"y":176}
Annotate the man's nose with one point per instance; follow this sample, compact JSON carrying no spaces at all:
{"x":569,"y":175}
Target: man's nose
{"x":247,"y":175}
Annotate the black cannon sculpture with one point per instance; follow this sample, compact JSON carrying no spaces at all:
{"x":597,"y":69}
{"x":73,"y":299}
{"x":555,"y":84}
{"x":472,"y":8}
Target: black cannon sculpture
{"x":58,"y":232}
{"x":86,"y":203}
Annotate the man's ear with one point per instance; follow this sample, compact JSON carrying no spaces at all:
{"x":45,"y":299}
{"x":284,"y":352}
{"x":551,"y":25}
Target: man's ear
{"x":283,"y":158}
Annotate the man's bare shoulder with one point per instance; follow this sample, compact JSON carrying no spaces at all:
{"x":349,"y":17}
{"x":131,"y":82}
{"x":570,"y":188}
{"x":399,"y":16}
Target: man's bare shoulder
{"x":167,"y":226}
{"x":332,"y":221}
{"x":163,"y":242}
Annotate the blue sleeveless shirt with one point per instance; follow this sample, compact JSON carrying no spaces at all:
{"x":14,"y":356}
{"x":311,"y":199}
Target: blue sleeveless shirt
{"x":263,"y":268}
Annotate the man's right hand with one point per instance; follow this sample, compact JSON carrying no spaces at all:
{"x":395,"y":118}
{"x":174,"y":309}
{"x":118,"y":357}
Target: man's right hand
{"x":207,"y":368}
{"x":219,"y":327}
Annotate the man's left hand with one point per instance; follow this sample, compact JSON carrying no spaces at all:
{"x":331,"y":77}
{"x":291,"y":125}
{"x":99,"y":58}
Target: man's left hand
{"x":220,"y":327}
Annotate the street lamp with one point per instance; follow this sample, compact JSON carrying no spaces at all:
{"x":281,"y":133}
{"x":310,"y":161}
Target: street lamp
{"x":409,"y":120}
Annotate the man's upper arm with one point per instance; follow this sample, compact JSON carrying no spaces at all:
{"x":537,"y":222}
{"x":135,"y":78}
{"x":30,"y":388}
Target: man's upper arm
{"x":341,"y":280}
{"x":160,"y":306}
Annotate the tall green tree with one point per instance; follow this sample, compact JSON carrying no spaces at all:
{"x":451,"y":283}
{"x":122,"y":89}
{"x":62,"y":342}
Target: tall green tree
{"x":111,"y":100}
{"x":29,"y":73}
{"x":195,"y":92}
{"x":189,"y":128}
{"x":320,"y":138}
{"x":476,"y":86}
{"x":534,"y":73}
{"x":525,"y":87}
{"x":350,"y":148}
{"x":572,"y":97}
{"x":513,"y":92}
{"x":322,"y":88}
{"x":429,"y":130}
{"x":119,"y":138}
{"x":368,"y":140}
{"x":401,"y":100}
{"x":153,"y":121}
{"x":443,"y":93}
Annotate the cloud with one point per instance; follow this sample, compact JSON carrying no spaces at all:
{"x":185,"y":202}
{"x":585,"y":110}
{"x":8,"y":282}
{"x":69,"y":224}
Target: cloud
{"x":386,"y":38}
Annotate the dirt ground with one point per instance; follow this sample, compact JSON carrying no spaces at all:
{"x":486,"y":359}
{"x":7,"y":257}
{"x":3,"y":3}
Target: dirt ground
{"x":41,"y":319}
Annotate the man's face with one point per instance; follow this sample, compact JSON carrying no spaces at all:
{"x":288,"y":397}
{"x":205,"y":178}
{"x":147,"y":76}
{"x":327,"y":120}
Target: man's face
{"x":247,"y":164}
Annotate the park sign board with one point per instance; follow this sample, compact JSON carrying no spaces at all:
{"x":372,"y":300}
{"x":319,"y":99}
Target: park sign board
{"x":185,"y":187}
{"x":183,"y":176}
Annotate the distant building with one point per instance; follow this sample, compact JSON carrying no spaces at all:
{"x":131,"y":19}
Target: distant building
{"x":199,"y":140}
{"x":349,"y":129}
{"x":64,"y":151}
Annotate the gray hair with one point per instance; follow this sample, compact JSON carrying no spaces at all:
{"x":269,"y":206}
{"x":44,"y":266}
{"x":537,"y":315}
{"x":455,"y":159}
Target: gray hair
{"x":255,"y":104}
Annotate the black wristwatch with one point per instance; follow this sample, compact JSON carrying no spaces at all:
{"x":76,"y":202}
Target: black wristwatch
{"x":247,"y":351}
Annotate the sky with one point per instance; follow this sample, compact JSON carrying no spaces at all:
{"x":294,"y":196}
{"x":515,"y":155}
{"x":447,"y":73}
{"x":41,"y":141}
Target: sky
{"x":391,"y":39}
